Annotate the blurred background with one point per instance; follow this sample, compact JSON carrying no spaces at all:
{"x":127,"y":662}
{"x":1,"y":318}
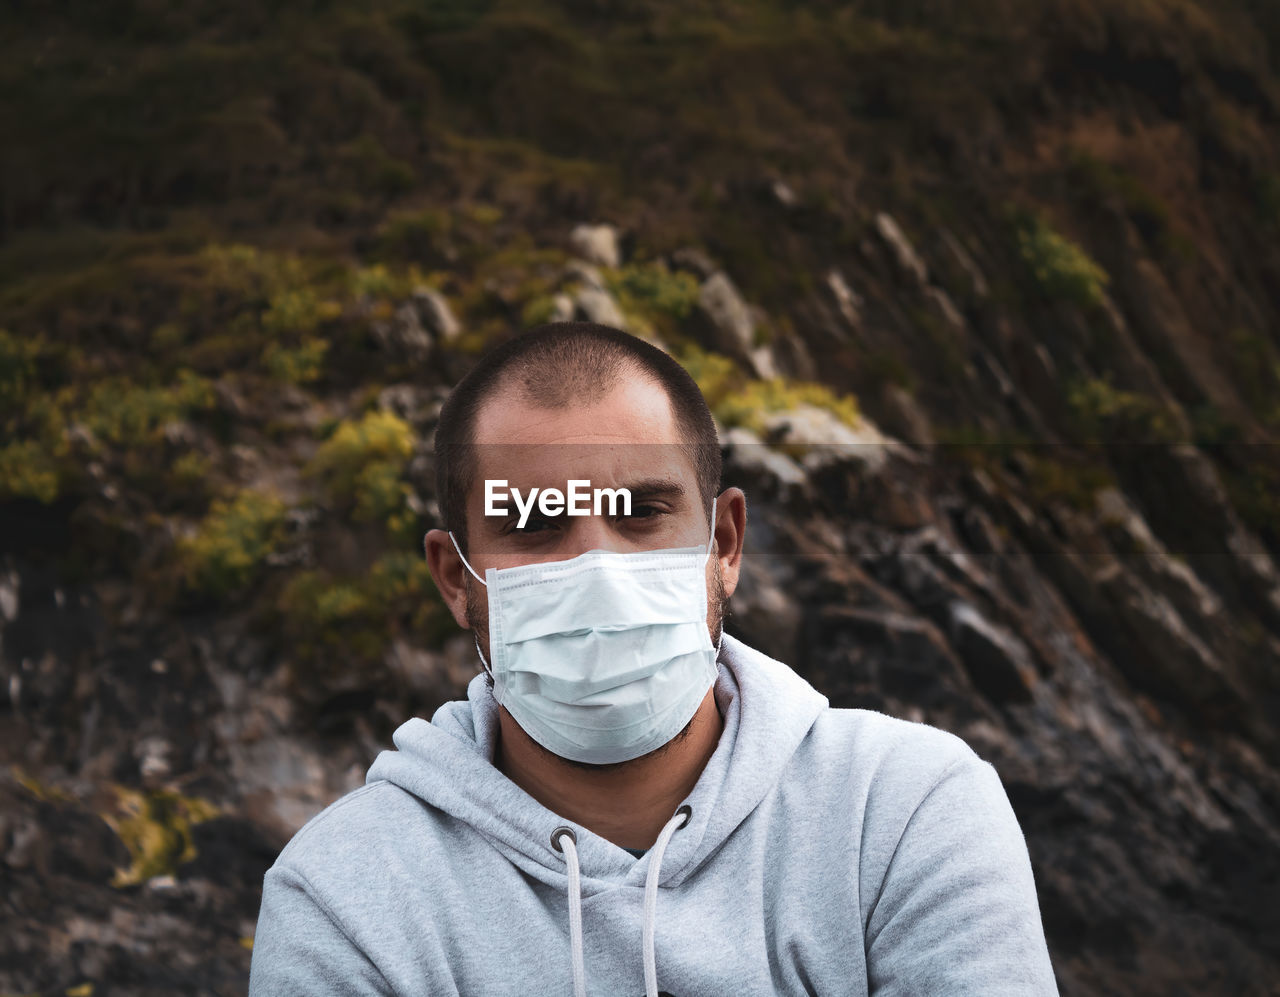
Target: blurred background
{"x":1018,"y":257}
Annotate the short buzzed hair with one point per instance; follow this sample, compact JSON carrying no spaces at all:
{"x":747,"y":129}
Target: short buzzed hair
{"x":556,"y":365}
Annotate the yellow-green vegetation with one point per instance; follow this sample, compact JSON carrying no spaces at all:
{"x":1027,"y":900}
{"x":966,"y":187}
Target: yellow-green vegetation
{"x":653,"y":293}
{"x":211,"y":308}
{"x":156,"y":828}
{"x":778,"y":394}
{"x":191,"y":470}
{"x":1062,"y":270}
{"x":361,"y":467}
{"x":351,"y":620}
{"x":40,"y":790}
{"x":107,"y":414}
{"x":483,"y":214}
{"x":515,"y":281}
{"x":297,"y":310}
{"x":1075,"y":481}
{"x":246,"y":304}
{"x":131,"y":417}
{"x":738,"y":400}
{"x":537,"y":310}
{"x":386,"y":284}
{"x":300,"y":365}
{"x":238,"y":273}
{"x":1103,"y":412}
{"x":31,"y":424}
{"x":279,"y":293}
{"x":240,"y":307}
{"x":28,"y":470}
{"x":232,"y":543}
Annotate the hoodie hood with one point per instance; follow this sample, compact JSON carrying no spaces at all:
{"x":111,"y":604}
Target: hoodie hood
{"x":448,"y":763}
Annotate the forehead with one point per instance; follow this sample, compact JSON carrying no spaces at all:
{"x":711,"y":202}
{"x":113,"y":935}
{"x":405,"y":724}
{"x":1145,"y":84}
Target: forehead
{"x":635,"y":410}
{"x":628,"y":429}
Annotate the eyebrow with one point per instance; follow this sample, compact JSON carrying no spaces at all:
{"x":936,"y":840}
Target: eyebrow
{"x":655,"y":488}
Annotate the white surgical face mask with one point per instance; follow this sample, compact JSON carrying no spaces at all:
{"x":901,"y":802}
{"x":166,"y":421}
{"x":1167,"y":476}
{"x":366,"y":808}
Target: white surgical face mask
{"x":604,"y":657}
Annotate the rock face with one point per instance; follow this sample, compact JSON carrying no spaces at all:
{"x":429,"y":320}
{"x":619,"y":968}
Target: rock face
{"x":728,"y":314}
{"x":1117,"y":660}
{"x":404,"y":336}
{"x":596,"y":305}
{"x":597,"y":244}
{"x":1111,"y":646}
{"x":729,"y":327}
{"x":1062,"y":547}
{"x":435,"y":314}
{"x":904,"y":253}
{"x":846,"y":298}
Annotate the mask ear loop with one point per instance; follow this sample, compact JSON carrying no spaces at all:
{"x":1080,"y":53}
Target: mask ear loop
{"x":465,"y":561}
{"x":474,"y":638}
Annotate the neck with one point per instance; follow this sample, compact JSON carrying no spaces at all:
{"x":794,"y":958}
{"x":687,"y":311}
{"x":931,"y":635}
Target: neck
{"x":628,"y":803}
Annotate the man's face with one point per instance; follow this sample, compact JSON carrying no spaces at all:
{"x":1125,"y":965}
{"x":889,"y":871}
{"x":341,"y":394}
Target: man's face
{"x":626,"y":439}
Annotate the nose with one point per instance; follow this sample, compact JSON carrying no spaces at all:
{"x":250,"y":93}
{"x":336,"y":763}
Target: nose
{"x":592,"y":533}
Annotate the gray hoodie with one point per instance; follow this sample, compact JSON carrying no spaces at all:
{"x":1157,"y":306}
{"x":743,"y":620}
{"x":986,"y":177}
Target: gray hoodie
{"x":822,"y":851}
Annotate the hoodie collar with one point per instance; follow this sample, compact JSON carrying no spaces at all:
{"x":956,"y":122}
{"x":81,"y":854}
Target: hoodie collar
{"x":767,"y":709}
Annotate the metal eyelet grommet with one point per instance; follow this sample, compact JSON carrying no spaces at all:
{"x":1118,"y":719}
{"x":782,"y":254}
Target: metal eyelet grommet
{"x":688,"y":812}
{"x":555,"y":837}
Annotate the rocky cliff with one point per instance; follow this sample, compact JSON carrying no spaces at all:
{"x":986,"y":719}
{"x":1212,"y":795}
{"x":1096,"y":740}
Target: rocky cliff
{"x":983,"y":297}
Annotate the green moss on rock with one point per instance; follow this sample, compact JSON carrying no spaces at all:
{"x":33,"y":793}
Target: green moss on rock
{"x":156,"y":828}
{"x":737,"y":400}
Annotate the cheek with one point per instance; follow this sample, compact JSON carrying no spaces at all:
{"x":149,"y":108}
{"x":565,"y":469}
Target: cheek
{"x":718,"y":590}
{"x":477,"y":608}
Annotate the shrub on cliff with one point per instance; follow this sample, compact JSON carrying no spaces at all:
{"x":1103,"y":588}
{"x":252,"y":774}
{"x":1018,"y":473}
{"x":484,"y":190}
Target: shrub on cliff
{"x":1061,"y":269}
{"x":232,"y":543}
{"x":361,"y":466}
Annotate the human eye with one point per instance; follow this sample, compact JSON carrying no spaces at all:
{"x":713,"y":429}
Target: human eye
{"x":532,"y":525}
{"x":644,"y":515}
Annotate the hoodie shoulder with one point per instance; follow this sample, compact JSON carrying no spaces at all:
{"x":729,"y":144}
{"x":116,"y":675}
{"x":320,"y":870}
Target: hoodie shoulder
{"x":893,"y":760}
{"x":350,"y":830}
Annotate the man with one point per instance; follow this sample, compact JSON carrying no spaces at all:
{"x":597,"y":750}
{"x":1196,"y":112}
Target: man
{"x":630,"y":800}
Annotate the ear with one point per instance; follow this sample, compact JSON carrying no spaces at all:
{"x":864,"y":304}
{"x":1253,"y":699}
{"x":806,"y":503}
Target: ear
{"x":449,"y":573}
{"x":730,"y":532}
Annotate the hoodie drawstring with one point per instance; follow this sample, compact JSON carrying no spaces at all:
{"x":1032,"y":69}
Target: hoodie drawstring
{"x":564,"y":839}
